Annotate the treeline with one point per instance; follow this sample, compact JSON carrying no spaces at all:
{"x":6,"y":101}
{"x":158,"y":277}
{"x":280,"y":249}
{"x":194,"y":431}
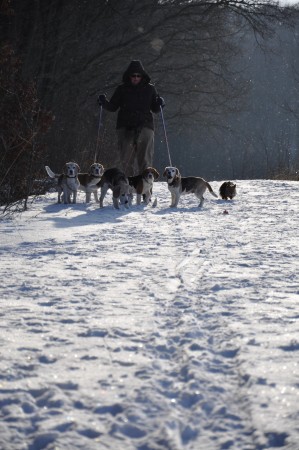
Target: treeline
{"x":56,"y":57}
{"x":22,"y":123}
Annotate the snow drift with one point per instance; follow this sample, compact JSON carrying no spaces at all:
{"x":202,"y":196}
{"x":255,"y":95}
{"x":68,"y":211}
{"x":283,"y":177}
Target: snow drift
{"x":152,"y":328}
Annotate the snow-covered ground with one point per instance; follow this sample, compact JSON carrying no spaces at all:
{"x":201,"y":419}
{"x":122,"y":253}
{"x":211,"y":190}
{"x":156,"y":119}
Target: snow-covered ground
{"x":152,"y":328}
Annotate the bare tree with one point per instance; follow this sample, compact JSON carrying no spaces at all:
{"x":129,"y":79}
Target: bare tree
{"x":77,"y":50}
{"x":190,"y":49}
{"x":21,"y":123}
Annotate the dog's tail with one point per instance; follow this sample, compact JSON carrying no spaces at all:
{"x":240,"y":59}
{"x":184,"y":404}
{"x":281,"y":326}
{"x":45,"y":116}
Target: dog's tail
{"x":50,"y":173}
{"x":211,"y":190}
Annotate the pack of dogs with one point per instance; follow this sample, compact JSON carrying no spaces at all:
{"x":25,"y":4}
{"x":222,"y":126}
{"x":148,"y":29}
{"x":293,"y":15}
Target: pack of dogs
{"x":70,"y":181}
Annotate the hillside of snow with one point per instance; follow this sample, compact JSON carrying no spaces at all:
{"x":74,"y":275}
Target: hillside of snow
{"x":152,"y":328}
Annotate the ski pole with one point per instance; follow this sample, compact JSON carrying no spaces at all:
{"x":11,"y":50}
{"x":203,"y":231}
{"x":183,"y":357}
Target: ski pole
{"x":166,"y":140}
{"x":98,"y":136}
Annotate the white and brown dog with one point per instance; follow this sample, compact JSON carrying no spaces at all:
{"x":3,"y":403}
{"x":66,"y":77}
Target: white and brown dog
{"x":117,"y":181}
{"x":227,"y":190}
{"x":89,"y":182}
{"x":67,"y":182}
{"x":179,"y":185}
{"x":142,"y":184}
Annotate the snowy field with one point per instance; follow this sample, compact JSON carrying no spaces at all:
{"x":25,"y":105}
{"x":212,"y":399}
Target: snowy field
{"x":152,"y":328}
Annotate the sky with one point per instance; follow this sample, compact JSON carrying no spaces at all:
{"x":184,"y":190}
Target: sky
{"x":152,"y":328}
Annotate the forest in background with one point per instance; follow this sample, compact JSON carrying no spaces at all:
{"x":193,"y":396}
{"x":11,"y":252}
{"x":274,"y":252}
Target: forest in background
{"x":228,"y":72}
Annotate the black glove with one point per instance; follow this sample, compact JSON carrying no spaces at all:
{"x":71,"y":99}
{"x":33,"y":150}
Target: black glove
{"x":160,"y":101}
{"x":101,"y":99}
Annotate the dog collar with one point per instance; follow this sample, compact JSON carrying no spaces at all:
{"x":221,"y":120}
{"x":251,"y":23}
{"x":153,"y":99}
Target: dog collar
{"x":146,"y":180}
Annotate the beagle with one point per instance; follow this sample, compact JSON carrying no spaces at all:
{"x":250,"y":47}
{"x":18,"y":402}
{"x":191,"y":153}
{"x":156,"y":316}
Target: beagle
{"x":89,"y":182}
{"x":67,"y":182}
{"x":117,"y":181}
{"x":179,"y":185}
{"x":228,"y":190}
{"x":142,"y":184}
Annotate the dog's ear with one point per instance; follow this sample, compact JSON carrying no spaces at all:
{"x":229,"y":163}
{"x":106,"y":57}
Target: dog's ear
{"x":77,"y":166}
{"x":156,"y":174}
{"x":164,"y":173}
{"x":177,"y":173}
{"x":116,"y":191}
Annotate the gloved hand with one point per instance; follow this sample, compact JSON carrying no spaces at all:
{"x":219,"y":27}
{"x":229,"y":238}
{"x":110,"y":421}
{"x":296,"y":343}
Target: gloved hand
{"x":101,"y":99}
{"x":160,"y":101}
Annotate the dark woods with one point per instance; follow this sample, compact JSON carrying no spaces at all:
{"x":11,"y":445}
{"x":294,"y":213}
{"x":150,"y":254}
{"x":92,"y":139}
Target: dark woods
{"x":22,"y":123}
{"x":56,"y":57}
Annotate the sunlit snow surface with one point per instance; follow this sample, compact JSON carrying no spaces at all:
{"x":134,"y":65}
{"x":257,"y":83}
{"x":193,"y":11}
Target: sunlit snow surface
{"x":152,"y":328}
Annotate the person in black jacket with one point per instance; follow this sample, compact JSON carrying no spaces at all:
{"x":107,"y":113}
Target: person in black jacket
{"x":135,"y":99}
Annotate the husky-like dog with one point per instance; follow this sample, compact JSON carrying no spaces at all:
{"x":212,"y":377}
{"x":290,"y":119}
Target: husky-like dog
{"x":179,"y":185}
{"x":67,"y":182}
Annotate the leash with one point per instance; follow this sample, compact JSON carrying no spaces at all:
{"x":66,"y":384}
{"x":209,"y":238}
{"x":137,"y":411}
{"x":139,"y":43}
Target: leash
{"x":98,"y":136}
{"x":166,"y":140}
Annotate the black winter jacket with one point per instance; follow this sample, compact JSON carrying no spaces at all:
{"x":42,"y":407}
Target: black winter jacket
{"x":135,"y":103}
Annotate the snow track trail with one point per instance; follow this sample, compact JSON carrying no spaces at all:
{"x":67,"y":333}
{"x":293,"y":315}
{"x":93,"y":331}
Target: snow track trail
{"x":152,"y":328}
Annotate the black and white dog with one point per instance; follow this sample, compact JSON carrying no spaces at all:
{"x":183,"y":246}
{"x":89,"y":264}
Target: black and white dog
{"x":179,"y":185}
{"x":67,"y":182}
{"x":117,"y":181}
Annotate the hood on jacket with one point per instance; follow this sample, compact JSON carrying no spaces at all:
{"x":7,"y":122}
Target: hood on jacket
{"x":135,"y":66}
